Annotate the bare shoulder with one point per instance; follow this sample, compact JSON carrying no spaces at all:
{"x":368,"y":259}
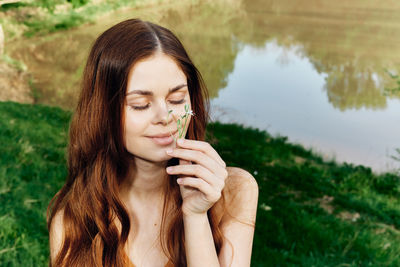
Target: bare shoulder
{"x":239,"y":176}
{"x":238,"y":219}
{"x":241,"y":195}
{"x":56,"y":234}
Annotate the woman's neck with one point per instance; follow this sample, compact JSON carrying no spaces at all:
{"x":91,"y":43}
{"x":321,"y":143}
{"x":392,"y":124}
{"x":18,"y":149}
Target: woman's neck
{"x":145,"y":181}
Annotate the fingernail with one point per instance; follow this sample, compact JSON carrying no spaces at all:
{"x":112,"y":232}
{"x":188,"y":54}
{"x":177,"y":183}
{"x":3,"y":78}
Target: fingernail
{"x":169,"y":151}
{"x":169,"y":169}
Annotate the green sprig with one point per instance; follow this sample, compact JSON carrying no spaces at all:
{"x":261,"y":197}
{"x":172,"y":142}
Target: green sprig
{"x":181,"y":126}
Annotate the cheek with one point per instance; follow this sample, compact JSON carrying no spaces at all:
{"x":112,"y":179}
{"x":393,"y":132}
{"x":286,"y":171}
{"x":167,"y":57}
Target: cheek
{"x":180,"y":111}
{"x":134,"y":126}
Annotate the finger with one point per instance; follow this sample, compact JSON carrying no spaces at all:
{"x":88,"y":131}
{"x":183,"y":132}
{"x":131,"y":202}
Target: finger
{"x":201,"y":185}
{"x":202,"y":146}
{"x":200,"y":158}
{"x":196,"y":183}
{"x":198,"y":171}
{"x":184,"y":162}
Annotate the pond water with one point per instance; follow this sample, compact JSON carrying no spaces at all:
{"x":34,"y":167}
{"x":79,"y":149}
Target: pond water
{"x":314,"y":71}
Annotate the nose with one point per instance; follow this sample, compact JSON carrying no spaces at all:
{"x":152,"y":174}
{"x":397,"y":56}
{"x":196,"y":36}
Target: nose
{"x":161,"y":115}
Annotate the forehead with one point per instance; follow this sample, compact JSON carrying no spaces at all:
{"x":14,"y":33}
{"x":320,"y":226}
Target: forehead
{"x":158,"y":72}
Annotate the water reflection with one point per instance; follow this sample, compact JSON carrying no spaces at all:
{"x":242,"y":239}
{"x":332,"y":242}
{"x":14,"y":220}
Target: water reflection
{"x":351,"y":42}
{"x":349,"y":88}
{"x":298,"y":108}
{"x":344,"y":46}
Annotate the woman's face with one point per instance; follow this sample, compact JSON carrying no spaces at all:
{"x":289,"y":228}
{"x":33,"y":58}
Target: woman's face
{"x":155,"y":85}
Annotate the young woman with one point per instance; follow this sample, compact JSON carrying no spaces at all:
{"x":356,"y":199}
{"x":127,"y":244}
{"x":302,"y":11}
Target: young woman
{"x":121,"y":205}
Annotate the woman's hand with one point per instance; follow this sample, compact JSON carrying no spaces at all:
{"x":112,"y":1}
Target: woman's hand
{"x":201,"y":183}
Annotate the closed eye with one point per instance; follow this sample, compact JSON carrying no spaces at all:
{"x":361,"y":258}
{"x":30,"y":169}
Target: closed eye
{"x":148,"y":105}
{"x":177,"y":102}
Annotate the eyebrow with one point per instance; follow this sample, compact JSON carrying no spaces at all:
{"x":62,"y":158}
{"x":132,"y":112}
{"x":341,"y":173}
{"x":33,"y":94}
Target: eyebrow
{"x":144,"y":92}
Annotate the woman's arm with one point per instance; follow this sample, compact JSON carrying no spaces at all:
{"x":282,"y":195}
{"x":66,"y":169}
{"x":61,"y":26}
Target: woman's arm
{"x":203,"y":176}
{"x":56,"y":235}
{"x":241,"y":193}
{"x":199,"y":242}
{"x":238,"y":226}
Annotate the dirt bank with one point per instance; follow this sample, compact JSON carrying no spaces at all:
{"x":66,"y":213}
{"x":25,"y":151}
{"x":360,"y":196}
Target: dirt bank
{"x":14,"y":84}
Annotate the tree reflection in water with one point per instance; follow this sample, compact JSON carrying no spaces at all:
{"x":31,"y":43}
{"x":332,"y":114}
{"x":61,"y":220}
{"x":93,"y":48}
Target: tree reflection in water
{"x":352,"y":42}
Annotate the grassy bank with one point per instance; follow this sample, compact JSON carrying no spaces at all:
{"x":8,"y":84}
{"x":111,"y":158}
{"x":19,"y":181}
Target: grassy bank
{"x":32,"y":17}
{"x":311,"y":212}
{"x":27,"y":18}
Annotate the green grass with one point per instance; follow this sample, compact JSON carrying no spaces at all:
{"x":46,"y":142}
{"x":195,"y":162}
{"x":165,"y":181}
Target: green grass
{"x":296,"y":230}
{"x":40,"y":17}
{"x":32,"y":167}
{"x":302,"y":201}
{"x":72,"y":18}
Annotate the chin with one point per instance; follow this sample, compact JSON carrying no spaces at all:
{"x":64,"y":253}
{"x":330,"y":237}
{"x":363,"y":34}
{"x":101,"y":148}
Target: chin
{"x":155,"y":158}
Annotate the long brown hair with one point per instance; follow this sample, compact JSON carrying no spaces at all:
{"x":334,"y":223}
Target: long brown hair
{"x":98,"y":160}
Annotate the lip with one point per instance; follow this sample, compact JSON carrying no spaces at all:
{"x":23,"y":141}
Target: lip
{"x":163,"y":139}
{"x":162,"y":135}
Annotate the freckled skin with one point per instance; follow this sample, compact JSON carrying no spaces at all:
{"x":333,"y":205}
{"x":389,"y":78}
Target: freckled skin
{"x":157,"y":74}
